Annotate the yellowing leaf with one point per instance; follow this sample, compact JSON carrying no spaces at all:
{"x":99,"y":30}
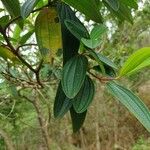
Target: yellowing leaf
{"x":5,"y":53}
{"x":48,"y":33}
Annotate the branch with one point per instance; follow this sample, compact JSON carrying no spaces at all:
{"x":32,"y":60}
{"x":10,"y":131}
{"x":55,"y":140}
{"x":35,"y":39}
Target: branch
{"x":29,"y":44}
{"x":37,"y":73}
{"x":102,"y":79}
{"x":13,"y":50}
{"x":13,"y":20}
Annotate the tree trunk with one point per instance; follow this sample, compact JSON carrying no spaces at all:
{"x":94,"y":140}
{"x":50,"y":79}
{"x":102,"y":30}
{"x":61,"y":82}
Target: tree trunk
{"x":42,"y":122}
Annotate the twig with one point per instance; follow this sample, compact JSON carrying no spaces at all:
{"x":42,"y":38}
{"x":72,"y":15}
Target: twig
{"x":37,"y":73}
{"x":13,"y":20}
{"x":13,"y":50}
{"x":102,"y":79}
{"x":19,"y":17}
{"x":29,"y":44}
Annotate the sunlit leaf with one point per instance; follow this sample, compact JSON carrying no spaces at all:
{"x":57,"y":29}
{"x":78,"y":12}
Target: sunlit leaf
{"x":25,"y":38}
{"x":136,"y":61}
{"x":5,"y":53}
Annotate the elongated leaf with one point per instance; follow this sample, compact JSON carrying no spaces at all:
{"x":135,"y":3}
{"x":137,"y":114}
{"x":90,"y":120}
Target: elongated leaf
{"x":48,"y":32}
{"x":73,"y":75}
{"x":77,"y":29}
{"x":101,"y":58}
{"x":88,"y":7}
{"x":62,"y":104}
{"x":70,"y":49}
{"x":77,"y":119}
{"x":28,"y":7}
{"x":12,"y":6}
{"x":5,"y":53}
{"x":85,"y":96}
{"x":114,"y":4}
{"x":70,"y":42}
{"x":132,"y":102}
{"x":136,"y":61}
{"x":16,"y":33}
{"x":144,"y":64}
{"x":26,"y":37}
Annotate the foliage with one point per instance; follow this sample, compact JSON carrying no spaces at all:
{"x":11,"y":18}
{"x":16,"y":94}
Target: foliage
{"x":65,"y":53}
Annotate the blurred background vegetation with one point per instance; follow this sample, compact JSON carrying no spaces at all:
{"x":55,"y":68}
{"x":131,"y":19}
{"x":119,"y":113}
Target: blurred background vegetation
{"x":108,"y":126}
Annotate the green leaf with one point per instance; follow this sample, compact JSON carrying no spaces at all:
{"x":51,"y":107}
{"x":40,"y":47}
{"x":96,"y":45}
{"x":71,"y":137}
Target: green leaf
{"x":62,"y":104}
{"x":87,"y":7}
{"x":132,"y":102}
{"x":77,"y":29}
{"x":16,"y":33}
{"x":1,"y":9}
{"x":136,"y":61}
{"x":132,"y":4}
{"x":70,"y":49}
{"x":85,"y":96}
{"x":114,"y":4}
{"x":98,"y":31}
{"x":4,"y":20}
{"x":27,"y":7}
{"x":70,"y":42}
{"x":73,"y":75}
{"x":101,"y":58}
{"x":123,"y":13}
{"x":95,"y":37}
{"x":25,"y":37}
{"x":108,"y":70}
{"x":77,"y":119}
{"x":13,"y":8}
{"x":91,"y":43}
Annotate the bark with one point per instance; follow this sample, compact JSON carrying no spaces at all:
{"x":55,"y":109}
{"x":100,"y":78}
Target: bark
{"x":42,"y":122}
